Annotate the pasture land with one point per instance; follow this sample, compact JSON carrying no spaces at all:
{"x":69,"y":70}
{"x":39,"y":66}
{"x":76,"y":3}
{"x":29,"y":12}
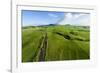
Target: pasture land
{"x":55,"y":43}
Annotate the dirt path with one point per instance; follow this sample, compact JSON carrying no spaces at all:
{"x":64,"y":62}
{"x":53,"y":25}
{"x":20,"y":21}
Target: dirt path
{"x":43,"y":48}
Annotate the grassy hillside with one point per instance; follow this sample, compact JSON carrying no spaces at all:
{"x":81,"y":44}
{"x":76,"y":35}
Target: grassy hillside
{"x":54,"y":43}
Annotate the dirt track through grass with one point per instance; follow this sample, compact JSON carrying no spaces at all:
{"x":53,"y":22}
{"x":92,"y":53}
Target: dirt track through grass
{"x":43,"y":48}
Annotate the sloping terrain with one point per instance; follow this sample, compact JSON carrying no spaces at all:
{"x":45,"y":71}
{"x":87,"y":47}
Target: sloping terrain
{"x":54,"y":43}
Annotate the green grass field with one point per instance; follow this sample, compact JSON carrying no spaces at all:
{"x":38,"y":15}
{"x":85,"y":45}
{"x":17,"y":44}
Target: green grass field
{"x":55,"y":43}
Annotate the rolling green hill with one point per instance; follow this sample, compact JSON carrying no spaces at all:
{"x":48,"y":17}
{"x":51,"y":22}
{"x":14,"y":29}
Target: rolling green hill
{"x":55,"y":43}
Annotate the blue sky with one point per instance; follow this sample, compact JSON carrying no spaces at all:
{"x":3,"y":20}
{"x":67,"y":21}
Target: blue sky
{"x":36,"y":18}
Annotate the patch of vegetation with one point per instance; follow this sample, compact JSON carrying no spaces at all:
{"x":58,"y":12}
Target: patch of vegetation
{"x":63,"y":42}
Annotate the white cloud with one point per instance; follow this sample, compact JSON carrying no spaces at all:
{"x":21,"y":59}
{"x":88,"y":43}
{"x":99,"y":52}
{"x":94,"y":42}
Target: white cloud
{"x":79,"y":19}
{"x":79,"y":15}
{"x":52,"y":15}
{"x":69,"y":15}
